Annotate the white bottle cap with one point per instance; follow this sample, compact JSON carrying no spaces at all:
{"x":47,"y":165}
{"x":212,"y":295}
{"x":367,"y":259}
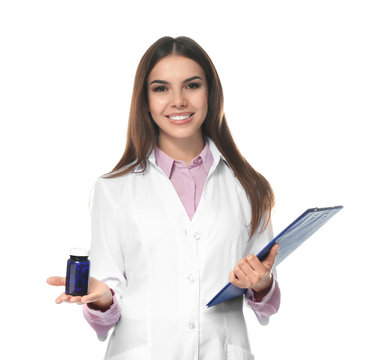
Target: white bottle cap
{"x":79,"y":252}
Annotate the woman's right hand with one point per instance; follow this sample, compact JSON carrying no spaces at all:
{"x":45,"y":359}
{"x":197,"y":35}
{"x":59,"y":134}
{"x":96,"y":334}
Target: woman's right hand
{"x":99,"y":295}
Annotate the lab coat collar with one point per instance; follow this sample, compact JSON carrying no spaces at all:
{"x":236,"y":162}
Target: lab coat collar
{"x":217,"y":156}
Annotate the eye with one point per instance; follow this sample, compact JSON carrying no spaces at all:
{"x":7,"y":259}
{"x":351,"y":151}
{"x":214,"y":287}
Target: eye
{"x":159,"y":89}
{"x":193,"y":86}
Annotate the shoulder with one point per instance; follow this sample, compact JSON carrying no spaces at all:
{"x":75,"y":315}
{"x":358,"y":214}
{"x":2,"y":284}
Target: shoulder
{"x":111,"y":189}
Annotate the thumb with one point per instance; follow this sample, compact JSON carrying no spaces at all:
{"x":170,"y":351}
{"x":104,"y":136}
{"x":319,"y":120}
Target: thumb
{"x":270,"y":259}
{"x":56,"y":280}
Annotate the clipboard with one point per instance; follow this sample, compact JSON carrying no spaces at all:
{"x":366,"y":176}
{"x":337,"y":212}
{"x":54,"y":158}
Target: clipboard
{"x":289,"y":240}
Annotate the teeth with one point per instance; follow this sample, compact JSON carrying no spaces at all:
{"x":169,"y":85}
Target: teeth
{"x":179,"y":117}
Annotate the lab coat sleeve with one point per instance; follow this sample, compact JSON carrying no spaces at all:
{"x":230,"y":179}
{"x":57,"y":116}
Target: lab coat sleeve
{"x":107,"y":261}
{"x":270,"y":303}
{"x":103,"y":321}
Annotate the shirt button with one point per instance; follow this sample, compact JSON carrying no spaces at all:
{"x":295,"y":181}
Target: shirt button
{"x":195,"y":161}
{"x":191,"y":325}
{"x":196,"y":235}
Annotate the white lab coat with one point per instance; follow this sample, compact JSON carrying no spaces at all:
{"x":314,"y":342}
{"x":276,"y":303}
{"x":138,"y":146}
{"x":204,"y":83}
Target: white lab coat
{"x":165,"y":267}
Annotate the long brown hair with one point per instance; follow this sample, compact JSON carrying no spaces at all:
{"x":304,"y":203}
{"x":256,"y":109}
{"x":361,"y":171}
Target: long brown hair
{"x":142,"y":130}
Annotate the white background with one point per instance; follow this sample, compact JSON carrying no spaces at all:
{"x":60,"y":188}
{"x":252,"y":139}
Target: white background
{"x":298,"y":81}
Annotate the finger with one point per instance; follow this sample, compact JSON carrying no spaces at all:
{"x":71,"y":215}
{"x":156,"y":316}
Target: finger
{"x":240,"y":274}
{"x":270,"y":259}
{"x":254,"y":262}
{"x":233,"y":277}
{"x":90,"y":298}
{"x":247,"y":269}
{"x":56,"y":281}
{"x":75,"y":299}
{"x":63,"y":297}
{"x":236,"y":281}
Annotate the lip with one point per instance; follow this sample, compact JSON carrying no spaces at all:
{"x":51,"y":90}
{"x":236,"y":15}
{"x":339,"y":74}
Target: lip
{"x":180,"y":114}
{"x":181,"y":122}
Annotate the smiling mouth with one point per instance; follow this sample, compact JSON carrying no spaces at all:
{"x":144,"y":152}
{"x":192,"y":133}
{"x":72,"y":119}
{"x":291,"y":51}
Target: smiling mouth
{"x":179,"y":117}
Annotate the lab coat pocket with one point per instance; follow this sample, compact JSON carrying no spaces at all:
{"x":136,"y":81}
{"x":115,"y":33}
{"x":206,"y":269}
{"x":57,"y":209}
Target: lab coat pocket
{"x":237,"y":353}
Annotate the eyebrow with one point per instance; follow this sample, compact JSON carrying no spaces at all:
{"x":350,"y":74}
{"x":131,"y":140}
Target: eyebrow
{"x":184,"y":82}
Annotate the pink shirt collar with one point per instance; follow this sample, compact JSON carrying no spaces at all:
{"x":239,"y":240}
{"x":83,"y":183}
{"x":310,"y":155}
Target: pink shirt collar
{"x":166,"y":163}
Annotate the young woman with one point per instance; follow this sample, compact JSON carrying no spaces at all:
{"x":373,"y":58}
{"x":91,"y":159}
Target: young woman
{"x":180,"y":214}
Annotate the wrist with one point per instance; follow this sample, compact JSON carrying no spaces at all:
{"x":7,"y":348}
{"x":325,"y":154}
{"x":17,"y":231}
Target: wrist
{"x":260,"y":293}
{"x":103,"y":304}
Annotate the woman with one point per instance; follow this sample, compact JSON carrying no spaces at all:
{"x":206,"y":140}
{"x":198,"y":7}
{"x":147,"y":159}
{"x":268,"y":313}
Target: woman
{"x":179,"y":215}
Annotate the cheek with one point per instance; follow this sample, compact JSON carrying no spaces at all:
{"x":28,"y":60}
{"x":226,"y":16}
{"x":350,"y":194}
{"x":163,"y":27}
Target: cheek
{"x":202,"y":103}
{"x":152,"y":104}
{"x":203,"y":98}
{"x":156,"y":104}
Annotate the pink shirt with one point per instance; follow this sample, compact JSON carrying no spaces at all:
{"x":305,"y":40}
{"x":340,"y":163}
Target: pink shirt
{"x":188,"y":182}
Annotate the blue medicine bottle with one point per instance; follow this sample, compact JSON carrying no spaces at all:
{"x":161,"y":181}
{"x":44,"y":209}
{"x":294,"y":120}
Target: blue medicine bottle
{"x":77,"y":272}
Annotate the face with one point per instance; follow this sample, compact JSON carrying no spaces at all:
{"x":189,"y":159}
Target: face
{"x":178,"y":98}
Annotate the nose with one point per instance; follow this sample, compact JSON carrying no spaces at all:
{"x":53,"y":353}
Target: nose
{"x":179,"y":100}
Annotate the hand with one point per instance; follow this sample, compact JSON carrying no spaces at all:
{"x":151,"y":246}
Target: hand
{"x":251,"y":273}
{"x":99,"y":295}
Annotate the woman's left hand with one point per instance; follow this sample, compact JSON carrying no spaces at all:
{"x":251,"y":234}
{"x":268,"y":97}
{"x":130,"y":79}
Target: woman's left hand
{"x":251,"y":273}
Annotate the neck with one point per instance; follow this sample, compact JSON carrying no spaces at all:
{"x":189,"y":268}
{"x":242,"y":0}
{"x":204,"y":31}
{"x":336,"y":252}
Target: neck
{"x":181,"y":149}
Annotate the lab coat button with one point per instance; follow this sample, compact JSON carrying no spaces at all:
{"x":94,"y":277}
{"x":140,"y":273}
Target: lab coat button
{"x":190,"y":278}
{"x":191,"y":325}
{"x":196,"y":236}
